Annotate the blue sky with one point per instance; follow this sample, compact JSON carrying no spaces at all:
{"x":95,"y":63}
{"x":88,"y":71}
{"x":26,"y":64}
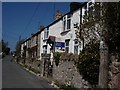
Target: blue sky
{"x":16,"y":18}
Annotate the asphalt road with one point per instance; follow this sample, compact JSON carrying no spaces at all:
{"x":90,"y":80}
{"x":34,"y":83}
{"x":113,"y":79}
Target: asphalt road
{"x":14,"y":76}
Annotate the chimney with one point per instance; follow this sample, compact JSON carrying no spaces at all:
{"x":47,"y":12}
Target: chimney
{"x":41,"y":27}
{"x":58,"y":15}
{"x":74,"y":6}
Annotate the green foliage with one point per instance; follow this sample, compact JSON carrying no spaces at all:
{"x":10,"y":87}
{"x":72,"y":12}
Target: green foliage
{"x":88,"y":65}
{"x":56,"y":56}
{"x":108,"y":22}
{"x":5,"y":48}
{"x":112,"y":23}
{"x":18,"y":47}
{"x":74,"y":6}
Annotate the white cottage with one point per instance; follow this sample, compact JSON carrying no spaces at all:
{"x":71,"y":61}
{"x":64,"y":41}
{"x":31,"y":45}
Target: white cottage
{"x":63,"y":32}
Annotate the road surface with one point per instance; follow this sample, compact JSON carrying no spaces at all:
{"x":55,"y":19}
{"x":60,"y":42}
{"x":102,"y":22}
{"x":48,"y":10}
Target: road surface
{"x":14,"y":76}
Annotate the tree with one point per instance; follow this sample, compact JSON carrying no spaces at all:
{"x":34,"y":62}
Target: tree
{"x":5,"y":48}
{"x":88,"y":64}
{"x":112,"y":26}
{"x":18,"y":47}
{"x":89,"y":30}
{"x":101,"y":22}
{"x":108,"y":22}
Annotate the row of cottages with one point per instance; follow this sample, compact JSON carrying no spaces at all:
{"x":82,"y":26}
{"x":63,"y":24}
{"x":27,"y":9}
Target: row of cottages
{"x":58,"y":36}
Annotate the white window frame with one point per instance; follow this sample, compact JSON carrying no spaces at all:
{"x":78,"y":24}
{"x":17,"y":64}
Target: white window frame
{"x":65,"y":22}
{"x":45,"y":49}
{"x":76,"y":45}
{"x":69,"y":18}
{"x":46,"y":33}
{"x":67,"y":46}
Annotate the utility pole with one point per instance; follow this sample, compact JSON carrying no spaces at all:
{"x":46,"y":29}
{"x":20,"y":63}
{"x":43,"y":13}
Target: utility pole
{"x":103,"y":69}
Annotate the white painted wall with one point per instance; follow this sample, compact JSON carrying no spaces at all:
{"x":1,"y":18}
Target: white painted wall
{"x":57,"y":28}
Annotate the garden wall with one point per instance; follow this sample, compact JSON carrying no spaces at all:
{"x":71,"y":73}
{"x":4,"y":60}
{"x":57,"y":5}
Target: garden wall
{"x":114,"y":72}
{"x":66,"y":72}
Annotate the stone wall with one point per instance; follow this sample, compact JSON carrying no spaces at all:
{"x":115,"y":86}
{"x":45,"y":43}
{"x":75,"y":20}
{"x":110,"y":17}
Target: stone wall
{"x":66,"y":72}
{"x":114,"y":72}
{"x":32,"y":64}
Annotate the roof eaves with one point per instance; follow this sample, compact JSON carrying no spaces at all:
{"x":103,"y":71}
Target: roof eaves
{"x":56,"y":21}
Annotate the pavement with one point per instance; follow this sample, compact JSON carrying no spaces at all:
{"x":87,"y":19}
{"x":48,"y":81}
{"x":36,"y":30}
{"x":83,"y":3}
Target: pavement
{"x":14,"y":76}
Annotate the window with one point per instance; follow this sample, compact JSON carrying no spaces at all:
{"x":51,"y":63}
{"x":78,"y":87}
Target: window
{"x":67,"y":45}
{"x":76,"y":49}
{"x":37,"y":39}
{"x":76,"y":46}
{"x":67,"y":22}
{"x":36,"y":51}
{"x":46,"y":33}
{"x":45,"y":49}
{"x":64,"y":23}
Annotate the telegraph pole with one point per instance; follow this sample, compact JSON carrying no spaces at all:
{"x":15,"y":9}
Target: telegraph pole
{"x":103,"y":69}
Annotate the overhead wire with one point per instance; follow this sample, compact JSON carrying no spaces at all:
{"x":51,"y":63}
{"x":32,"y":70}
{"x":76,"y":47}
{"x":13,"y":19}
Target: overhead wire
{"x":26,"y":27}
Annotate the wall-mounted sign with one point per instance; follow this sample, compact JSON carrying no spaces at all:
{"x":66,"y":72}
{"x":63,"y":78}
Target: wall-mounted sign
{"x":59,"y":44}
{"x":59,"y":39}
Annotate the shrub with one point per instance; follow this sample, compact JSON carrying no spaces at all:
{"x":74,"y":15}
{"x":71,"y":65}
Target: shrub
{"x":56,"y":56}
{"x":88,"y":65}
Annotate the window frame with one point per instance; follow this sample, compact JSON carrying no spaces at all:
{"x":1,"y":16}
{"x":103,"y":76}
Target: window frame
{"x":64,"y":23}
{"x":67,"y":43}
{"x":68,"y":19}
{"x":76,"y":45}
{"x":46,"y":33}
{"x":67,"y":22}
{"x":44,"y":48}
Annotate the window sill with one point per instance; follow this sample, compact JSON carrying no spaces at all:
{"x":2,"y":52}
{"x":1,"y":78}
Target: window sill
{"x":45,"y":39}
{"x":64,"y":32}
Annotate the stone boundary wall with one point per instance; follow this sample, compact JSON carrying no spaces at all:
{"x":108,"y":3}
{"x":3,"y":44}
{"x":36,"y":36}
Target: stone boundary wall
{"x":66,"y":72}
{"x":114,"y":72}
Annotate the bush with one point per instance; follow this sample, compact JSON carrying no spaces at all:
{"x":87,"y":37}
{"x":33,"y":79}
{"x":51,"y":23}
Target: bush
{"x":88,"y":65}
{"x":56,"y":56}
